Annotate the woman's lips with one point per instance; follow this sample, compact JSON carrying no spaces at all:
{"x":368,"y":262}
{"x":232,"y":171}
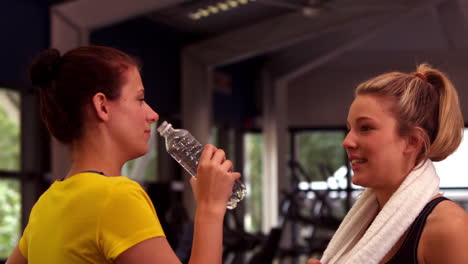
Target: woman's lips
{"x":357,"y":163}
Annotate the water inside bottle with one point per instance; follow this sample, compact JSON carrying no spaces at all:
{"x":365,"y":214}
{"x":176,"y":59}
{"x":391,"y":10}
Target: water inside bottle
{"x":187,"y":152}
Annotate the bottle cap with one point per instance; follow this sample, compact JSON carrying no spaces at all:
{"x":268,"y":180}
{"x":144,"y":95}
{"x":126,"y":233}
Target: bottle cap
{"x":163,"y":128}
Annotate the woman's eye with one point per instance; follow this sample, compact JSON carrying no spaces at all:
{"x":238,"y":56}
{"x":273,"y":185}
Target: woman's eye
{"x":141,"y":99}
{"x":366,"y":128}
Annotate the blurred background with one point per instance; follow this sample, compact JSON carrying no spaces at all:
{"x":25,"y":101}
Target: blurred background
{"x":270,"y":81}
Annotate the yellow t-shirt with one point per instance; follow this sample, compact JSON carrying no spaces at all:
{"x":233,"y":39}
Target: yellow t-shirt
{"x":88,"y":218}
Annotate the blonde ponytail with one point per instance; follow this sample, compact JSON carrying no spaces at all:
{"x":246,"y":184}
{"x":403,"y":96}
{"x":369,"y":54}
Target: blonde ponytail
{"x":450,"y":119}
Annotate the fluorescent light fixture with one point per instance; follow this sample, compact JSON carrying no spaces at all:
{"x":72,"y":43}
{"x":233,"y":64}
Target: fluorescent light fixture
{"x":233,"y":3}
{"x":220,"y":7}
{"x":213,"y":9}
{"x":223,"y":6}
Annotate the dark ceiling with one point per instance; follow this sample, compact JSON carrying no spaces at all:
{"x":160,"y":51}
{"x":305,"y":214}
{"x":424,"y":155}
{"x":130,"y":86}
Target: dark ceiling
{"x":246,"y":12}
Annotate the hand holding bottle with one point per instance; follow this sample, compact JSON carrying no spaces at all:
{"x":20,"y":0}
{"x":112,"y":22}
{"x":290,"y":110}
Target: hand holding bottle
{"x":214,"y":182}
{"x":186,"y":150}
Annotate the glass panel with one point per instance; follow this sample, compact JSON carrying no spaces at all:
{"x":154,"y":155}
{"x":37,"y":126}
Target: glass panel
{"x":10,"y":215}
{"x":453,"y":174}
{"x":214,"y":136}
{"x":253,"y":147}
{"x":458,"y":196}
{"x":321,"y":170}
{"x":452,"y":171}
{"x":144,"y":168}
{"x":322,"y":157}
{"x":10,"y":129}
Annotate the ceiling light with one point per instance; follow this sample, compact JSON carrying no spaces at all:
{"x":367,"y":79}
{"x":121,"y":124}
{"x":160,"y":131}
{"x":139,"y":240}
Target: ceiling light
{"x":224,"y":5}
{"x":204,"y":13}
{"x":232,"y":3}
{"x":195,"y":16}
{"x":213,"y":9}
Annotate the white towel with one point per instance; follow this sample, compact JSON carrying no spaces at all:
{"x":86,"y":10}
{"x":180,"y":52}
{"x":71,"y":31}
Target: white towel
{"x":352,"y":243}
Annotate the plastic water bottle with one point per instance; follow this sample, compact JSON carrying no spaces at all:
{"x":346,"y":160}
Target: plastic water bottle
{"x":186,"y":150}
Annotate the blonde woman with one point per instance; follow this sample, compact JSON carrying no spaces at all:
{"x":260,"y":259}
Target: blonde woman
{"x":398,"y":125}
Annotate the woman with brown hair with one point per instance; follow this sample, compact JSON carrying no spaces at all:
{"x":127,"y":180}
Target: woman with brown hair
{"x":93,"y":100}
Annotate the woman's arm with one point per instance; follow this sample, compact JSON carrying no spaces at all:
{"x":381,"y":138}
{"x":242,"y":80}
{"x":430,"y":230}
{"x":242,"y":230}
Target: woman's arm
{"x":16,"y":257}
{"x":207,"y":243}
{"x":445,"y":237}
{"x":154,"y":250}
{"x":212,"y":189}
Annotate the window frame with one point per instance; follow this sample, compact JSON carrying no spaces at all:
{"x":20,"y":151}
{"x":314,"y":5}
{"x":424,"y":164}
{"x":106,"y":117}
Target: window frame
{"x":18,"y":174}
{"x":34,"y":158}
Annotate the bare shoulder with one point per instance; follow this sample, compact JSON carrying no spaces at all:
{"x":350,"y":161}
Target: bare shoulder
{"x":446,"y":210}
{"x":445,"y":235}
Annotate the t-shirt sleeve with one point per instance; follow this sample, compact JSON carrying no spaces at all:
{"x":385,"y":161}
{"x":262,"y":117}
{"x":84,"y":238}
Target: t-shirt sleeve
{"x":128,"y":218}
{"x":23,"y":244}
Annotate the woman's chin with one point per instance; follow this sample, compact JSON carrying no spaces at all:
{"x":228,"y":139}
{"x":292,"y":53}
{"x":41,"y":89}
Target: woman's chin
{"x":357,"y":180}
{"x":139,"y":153}
{"x":142,"y":153}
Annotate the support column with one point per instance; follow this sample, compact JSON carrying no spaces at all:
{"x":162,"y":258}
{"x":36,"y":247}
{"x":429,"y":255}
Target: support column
{"x":197,"y":100}
{"x":275,"y":148}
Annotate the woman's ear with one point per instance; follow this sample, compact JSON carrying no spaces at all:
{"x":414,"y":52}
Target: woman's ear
{"x":101,"y":106}
{"x":415,"y":141}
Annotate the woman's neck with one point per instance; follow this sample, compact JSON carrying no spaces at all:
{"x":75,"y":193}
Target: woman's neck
{"x":83,"y":164}
{"x":384,"y":193}
{"x":94,"y":153}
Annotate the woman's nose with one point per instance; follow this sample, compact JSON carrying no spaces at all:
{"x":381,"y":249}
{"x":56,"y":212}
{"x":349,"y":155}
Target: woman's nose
{"x":349,"y":141}
{"x":152,"y":116}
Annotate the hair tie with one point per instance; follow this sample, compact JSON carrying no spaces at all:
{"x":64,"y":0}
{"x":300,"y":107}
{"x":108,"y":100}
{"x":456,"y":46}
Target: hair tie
{"x":421,"y":76}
